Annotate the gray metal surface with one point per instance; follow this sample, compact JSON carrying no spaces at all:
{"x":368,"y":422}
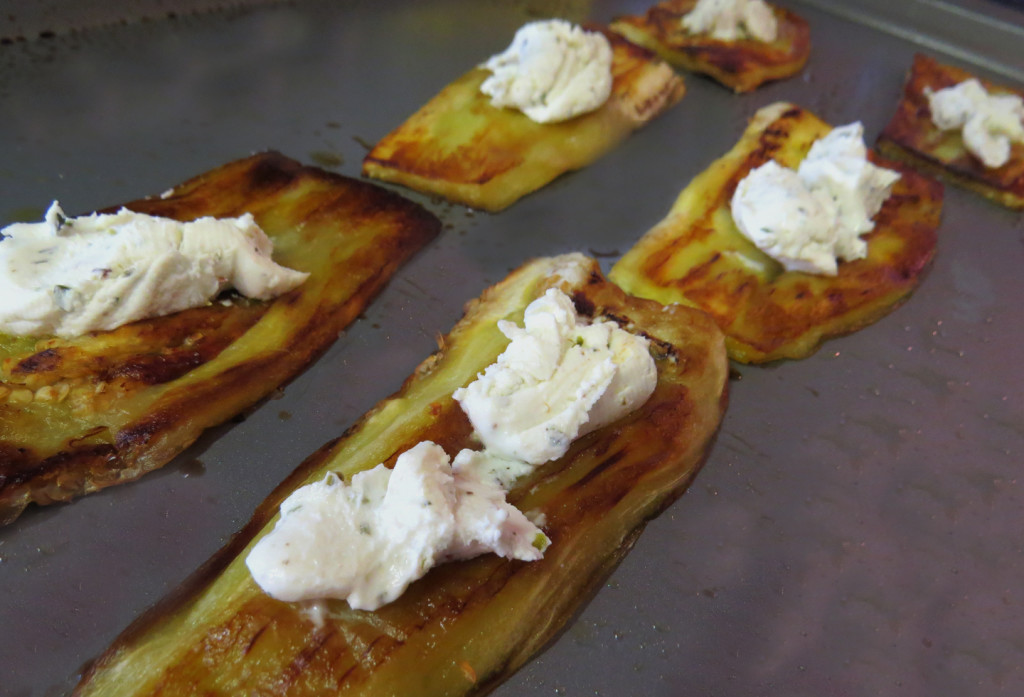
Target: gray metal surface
{"x":857,"y":528}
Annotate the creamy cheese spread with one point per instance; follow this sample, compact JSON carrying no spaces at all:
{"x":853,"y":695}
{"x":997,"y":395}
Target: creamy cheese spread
{"x":729,"y":20}
{"x":989,"y":123}
{"x":366,"y":540}
{"x":69,"y":276}
{"x":558,"y":379}
{"x":809,"y":217}
{"x":552,"y":71}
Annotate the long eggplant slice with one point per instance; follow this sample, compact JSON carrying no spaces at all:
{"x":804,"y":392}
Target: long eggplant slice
{"x":81,"y":414}
{"x":465,"y":626}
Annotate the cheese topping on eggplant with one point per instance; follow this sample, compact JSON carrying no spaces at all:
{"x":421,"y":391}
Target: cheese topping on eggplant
{"x":989,"y":123}
{"x":558,"y":379}
{"x":366,"y":540}
{"x":552,"y":71}
{"x":730,"y":20}
{"x":810,"y":217}
{"x":69,"y":276}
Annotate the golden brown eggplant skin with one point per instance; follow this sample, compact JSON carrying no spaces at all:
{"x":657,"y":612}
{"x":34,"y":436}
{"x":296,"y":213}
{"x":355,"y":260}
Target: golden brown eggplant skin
{"x":465,"y":626}
{"x":741,"y":65}
{"x":697,"y":256}
{"x":912,"y":137}
{"x":77,"y":415}
{"x":460,"y":147}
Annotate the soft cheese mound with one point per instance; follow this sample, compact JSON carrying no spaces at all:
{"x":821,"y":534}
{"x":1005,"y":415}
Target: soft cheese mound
{"x":808,"y":218}
{"x":989,"y":123}
{"x":558,"y":379}
{"x":729,"y":20}
{"x":70,"y":276}
{"x":367,"y":540}
{"x":552,"y":71}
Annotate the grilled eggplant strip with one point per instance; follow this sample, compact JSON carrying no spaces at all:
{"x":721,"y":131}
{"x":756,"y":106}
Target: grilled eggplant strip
{"x":465,"y":626}
{"x":81,"y":414}
{"x":460,"y":147}
{"x":697,"y":256}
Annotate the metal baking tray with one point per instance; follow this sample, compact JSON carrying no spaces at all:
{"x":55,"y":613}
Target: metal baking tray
{"x":857,"y":527}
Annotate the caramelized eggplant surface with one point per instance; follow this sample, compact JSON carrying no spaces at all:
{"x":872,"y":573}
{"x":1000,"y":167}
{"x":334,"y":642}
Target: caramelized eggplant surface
{"x":467,"y":625}
{"x":697,"y":256}
{"x":741,"y":65}
{"x":80,"y":414}
{"x":912,"y":137}
{"x":460,"y":147}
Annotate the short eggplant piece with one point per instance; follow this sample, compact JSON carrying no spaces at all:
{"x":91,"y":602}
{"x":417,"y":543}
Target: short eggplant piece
{"x":697,"y":256}
{"x":461,"y":147}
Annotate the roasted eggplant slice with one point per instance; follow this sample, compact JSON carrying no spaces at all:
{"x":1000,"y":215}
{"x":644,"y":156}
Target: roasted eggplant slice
{"x":911,"y":137}
{"x":741,"y":65}
{"x":77,"y":415}
{"x":460,"y":147}
{"x":697,"y":256}
{"x":465,"y":626}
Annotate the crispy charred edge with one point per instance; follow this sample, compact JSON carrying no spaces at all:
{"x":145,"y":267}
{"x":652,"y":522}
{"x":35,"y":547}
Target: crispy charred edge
{"x":741,"y":65}
{"x":598,"y":296}
{"x":904,"y":137}
{"x":269,"y":173}
{"x":128,"y":457}
{"x":63,"y":472}
{"x":262,"y":174}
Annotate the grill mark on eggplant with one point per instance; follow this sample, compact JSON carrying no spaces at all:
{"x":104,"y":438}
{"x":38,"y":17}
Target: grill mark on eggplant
{"x":44,"y":361}
{"x":596,"y":471}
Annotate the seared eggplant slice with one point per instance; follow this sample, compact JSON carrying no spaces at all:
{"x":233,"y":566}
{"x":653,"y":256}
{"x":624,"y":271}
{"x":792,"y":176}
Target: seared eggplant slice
{"x":741,"y":65}
{"x":462,"y":148}
{"x":80,"y":414}
{"x":465,"y":626}
{"x":912,"y":137}
{"x":697,"y":256}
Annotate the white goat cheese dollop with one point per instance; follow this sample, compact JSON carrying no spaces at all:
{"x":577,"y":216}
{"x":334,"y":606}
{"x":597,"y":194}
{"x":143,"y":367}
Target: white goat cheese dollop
{"x":70,"y":276}
{"x":558,"y":379}
{"x":809,"y":217}
{"x":730,"y":20}
{"x":552,"y":71}
{"x":367,"y":540}
{"x":989,"y":123}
